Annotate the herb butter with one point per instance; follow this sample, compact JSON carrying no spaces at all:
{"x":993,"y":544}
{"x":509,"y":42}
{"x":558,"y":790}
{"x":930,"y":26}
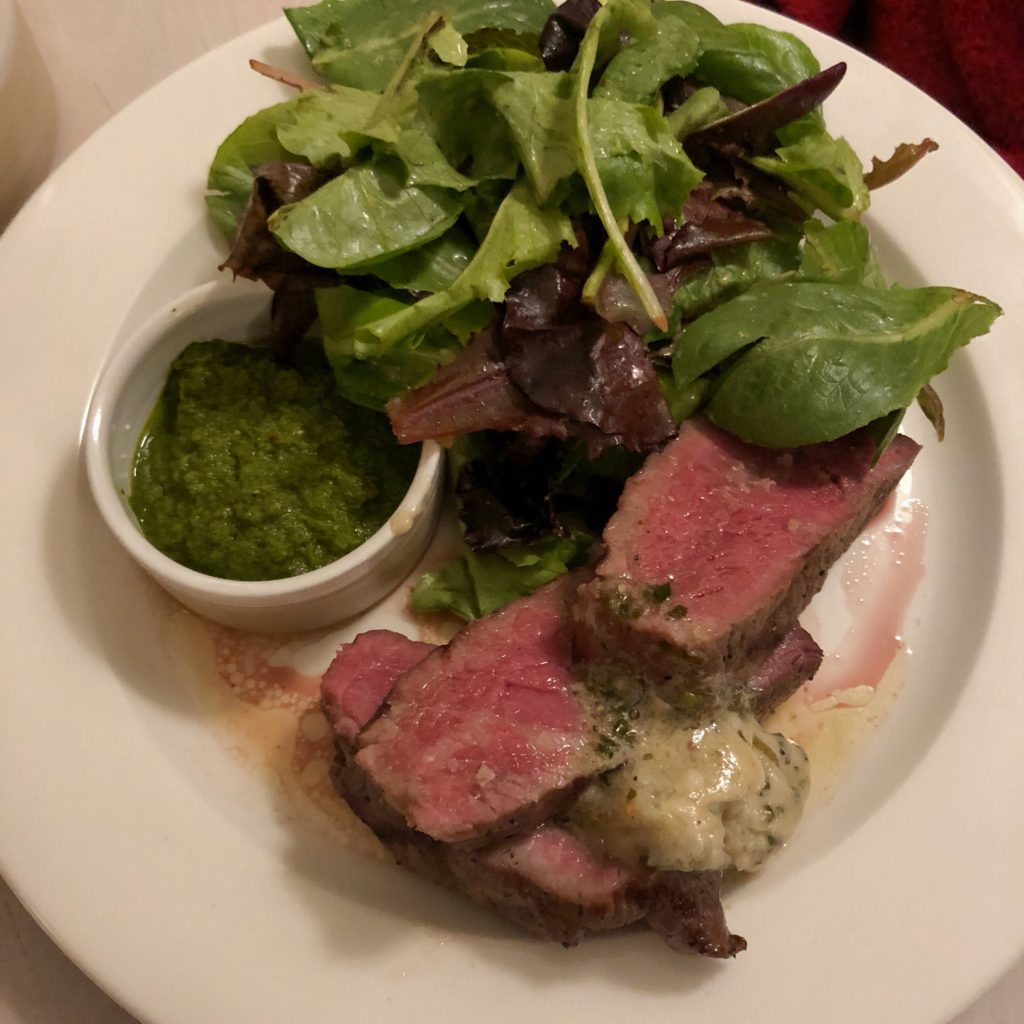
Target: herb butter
{"x":692,"y":798}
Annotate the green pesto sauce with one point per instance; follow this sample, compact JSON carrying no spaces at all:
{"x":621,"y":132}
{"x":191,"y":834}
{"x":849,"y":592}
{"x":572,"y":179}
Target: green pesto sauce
{"x":252,"y":470}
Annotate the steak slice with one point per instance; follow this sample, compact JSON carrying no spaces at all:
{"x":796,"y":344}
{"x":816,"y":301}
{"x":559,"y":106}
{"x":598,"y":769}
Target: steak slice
{"x":788,"y":666}
{"x":361,"y":676}
{"x":548,"y":882}
{"x":715,"y":549}
{"x":489,"y":736}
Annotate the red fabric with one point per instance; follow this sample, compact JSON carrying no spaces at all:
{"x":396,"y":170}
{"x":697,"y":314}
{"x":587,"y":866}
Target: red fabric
{"x":968,"y":54}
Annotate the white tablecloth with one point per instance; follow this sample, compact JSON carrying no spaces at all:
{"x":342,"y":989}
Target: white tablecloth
{"x":99,"y":55}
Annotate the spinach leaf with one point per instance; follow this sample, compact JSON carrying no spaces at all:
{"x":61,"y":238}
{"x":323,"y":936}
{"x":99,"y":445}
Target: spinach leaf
{"x":810,"y":362}
{"x":733,"y":270}
{"x":751,"y":62}
{"x":366,"y":214}
{"x":362,"y":43}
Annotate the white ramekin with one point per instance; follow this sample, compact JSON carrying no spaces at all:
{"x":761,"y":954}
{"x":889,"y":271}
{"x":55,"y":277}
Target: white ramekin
{"x":124,"y":396}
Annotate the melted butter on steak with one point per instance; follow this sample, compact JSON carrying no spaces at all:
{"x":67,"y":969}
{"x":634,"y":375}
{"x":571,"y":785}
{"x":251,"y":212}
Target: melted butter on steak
{"x":710,"y":796}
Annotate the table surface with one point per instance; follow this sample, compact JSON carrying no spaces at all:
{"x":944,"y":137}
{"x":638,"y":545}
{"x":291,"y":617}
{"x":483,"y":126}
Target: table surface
{"x":99,"y":55}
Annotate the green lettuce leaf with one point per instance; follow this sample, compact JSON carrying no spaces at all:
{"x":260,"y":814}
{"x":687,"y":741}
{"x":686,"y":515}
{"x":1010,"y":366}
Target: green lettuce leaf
{"x":366,"y":214}
{"x":521,"y":236}
{"x":645,"y":173}
{"x":252,"y":143}
{"x":478,"y":583}
{"x":455,"y":107}
{"x":324,"y":127}
{"x":328,"y":127}
{"x":537,"y":106}
{"x":653,"y":53}
{"x":702,"y":107}
{"x":430,"y":268}
{"x":410,"y":363}
{"x":840,"y":253}
{"x":362,"y":43}
{"x":823,"y":171}
{"x":807,"y":362}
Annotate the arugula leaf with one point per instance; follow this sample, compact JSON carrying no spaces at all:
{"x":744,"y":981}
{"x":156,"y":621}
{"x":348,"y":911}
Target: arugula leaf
{"x":610,"y":16}
{"x":822,"y":360}
{"x":478,"y":583}
{"x":840,"y":253}
{"x":362,"y":43}
{"x":364,"y":215}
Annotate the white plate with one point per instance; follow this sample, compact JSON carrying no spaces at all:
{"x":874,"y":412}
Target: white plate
{"x":186,"y":886}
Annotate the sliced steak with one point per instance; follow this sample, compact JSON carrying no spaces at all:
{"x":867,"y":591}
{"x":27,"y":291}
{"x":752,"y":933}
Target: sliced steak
{"x":548,"y":882}
{"x":789,"y":665}
{"x":361,"y":676}
{"x":489,"y":736}
{"x":685,"y":909}
{"x":716,"y":548}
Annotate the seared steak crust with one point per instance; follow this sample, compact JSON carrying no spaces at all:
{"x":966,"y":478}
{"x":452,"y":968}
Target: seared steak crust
{"x":551,"y":884}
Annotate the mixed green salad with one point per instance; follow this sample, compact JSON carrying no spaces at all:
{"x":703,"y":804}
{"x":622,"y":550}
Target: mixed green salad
{"x":547,"y":236}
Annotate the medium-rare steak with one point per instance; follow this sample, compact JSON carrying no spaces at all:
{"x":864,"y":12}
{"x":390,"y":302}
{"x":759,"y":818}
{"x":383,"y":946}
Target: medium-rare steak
{"x":490,"y":735}
{"x":361,"y":676}
{"x":715,"y":549}
{"x":549,"y":881}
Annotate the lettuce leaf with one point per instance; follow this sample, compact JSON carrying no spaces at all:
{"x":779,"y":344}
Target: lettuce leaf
{"x":520,"y":237}
{"x":840,"y":253}
{"x":478,"y":583}
{"x":362,"y":43}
